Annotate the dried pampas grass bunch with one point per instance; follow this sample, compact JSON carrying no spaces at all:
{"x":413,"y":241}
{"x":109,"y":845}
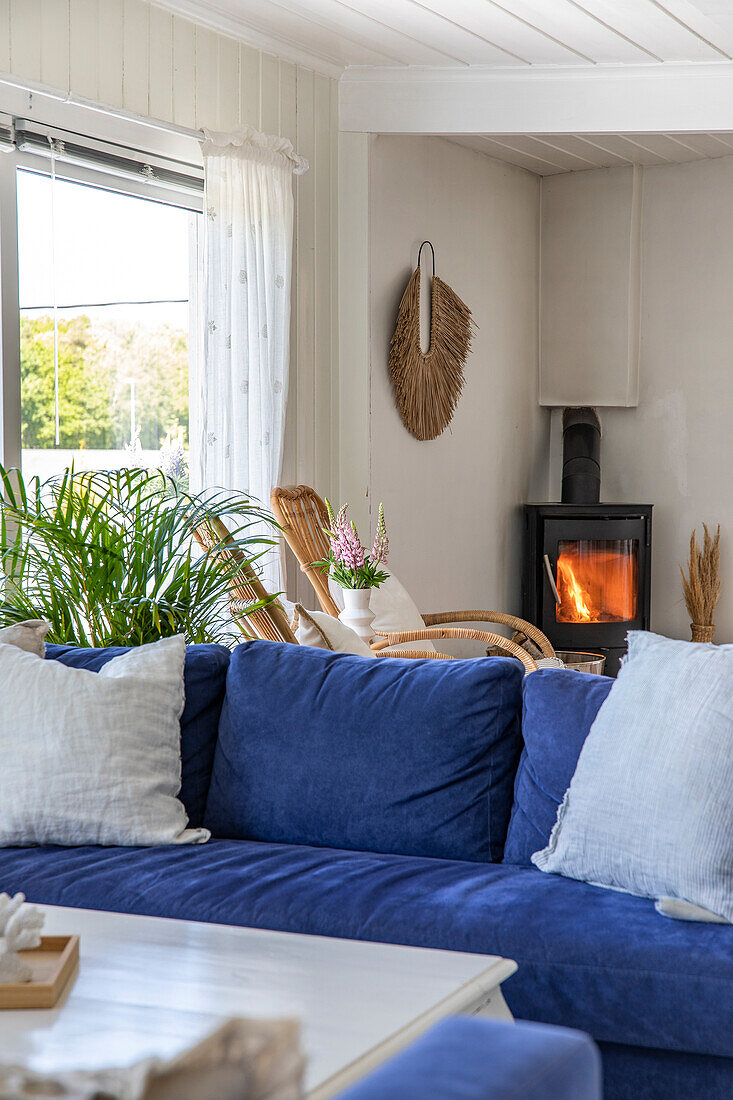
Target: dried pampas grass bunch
{"x":428,"y":384}
{"x":702,"y":584}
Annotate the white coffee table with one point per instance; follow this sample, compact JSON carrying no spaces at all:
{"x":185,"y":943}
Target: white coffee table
{"x":149,"y":986}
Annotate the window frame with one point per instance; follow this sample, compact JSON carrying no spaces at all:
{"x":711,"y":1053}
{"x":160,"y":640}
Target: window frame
{"x":142,"y":141}
{"x":10,"y":402}
{"x":107,"y":181}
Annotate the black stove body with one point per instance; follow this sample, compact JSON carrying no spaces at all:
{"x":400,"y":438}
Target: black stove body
{"x":587,"y":574}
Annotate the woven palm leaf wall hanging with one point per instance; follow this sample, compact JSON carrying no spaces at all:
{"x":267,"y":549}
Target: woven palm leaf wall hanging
{"x":428,"y":384}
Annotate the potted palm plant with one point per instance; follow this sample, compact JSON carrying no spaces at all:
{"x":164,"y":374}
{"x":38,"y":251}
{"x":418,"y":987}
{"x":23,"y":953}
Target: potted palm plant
{"x":107,"y":558}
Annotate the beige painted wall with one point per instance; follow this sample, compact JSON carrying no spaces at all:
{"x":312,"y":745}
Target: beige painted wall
{"x":131,"y":55}
{"x":452,"y":504}
{"x":676,"y":449}
{"x":590,"y":276}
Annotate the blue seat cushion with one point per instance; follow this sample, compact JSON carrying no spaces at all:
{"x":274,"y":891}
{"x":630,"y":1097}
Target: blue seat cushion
{"x":415,"y":757}
{"x":559,"y":708}
{"x":592,"y":959}
{"x":205,"y":680}
{"x":467,"y":1058}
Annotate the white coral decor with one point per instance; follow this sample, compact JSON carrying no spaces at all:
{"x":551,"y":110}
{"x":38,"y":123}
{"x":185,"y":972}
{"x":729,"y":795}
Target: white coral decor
{"x":20,"y":929}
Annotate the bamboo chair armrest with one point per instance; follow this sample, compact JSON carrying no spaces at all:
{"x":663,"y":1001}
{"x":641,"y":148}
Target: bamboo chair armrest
{"x":513,"y":621}
{"x":511,"y":648}
{"x":417,"y":655}
{"x":378,"y":649}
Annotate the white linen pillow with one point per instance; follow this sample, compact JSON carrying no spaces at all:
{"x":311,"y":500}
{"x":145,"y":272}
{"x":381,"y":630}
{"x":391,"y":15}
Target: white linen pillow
{"x":685,"y":910}
{"x":93,"y":757}
{"x":28,"y":635}
{"x":394,"y":610}
{"x":322,"y":631}
{"x":649,"y":809}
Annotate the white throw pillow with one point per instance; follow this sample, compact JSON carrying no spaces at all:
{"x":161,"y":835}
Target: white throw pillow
{"x":93,"y":757}
{"x":394,"y":611}
{"x":649,"y":809}
{"x":28,"y":635}
{"x":322,"y":631}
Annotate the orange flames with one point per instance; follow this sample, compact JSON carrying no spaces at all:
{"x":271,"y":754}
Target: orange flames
{"x":573,"y":594}
{"x":597,"y":581}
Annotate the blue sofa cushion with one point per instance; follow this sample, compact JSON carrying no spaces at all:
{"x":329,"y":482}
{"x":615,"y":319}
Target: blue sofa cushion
{"x":467,"y":1058}
{"x":638,"y":1073}
{"x":559,"y":708}
{"x":416,"y":757}
{"x":592,"y":959}
{"x":205,"y":680}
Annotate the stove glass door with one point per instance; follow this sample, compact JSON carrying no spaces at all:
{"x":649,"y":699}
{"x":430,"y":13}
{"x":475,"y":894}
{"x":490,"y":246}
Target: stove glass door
{"x":597,"y":580}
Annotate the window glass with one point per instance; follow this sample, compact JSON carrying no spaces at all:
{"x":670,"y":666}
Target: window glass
{"x":104,"y":289}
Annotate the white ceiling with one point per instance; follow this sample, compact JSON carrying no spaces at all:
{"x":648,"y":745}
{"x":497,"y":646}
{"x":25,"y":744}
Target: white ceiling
{"x":337,"y":34}
{"x":548,"y":154}
{"x":396,"y":48}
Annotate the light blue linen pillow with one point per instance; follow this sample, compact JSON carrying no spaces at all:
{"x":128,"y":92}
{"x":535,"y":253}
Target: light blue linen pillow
{"x":649,"y":809}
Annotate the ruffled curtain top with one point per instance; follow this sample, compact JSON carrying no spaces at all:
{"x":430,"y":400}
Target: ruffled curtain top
{"x":252,"y":144}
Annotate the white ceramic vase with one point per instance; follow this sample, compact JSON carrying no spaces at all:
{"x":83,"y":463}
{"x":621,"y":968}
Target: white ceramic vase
{"x":357,"y":613}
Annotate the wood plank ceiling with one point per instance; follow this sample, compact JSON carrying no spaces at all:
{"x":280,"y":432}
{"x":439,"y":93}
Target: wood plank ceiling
{"x":502,"y":36}
{"x":549,"y":154}
{"x":339,"y":34}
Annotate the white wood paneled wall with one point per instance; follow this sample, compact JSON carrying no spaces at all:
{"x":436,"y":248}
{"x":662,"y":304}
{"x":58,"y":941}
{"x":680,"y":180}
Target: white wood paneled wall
{"x":129,"y":54}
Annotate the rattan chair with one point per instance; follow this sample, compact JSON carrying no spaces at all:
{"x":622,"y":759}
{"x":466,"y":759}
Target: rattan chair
{"x":269,"y":621}
{"x":302,"y":515}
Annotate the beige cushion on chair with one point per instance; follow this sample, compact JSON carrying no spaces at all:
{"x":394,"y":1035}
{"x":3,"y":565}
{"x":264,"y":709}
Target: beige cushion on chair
{"x":322,"y":631}
{"x":394,"y":610}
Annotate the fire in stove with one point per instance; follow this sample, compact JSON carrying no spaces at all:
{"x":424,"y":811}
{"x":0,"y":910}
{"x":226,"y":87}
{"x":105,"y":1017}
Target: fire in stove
{"x":597,"y":581}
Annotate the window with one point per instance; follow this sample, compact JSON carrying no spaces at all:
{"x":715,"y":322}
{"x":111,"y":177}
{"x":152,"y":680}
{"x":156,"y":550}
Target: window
{"x":104,"y":303}
{"x":98,"y":281}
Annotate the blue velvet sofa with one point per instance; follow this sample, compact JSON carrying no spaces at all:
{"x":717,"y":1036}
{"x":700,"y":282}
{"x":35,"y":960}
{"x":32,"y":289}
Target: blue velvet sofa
{"x":469,"y":1058}
{"x":335,"y":815}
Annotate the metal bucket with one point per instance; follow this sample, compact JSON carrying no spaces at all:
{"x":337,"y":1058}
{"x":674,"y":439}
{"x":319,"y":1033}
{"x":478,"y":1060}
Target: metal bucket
{"x":582,"y":662}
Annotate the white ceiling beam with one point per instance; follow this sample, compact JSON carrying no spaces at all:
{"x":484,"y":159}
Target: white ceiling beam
{"x":628,"y":99}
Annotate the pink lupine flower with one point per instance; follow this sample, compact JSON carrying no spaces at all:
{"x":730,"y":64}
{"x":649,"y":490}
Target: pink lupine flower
{"x":335,"y":533}
{"x":341,"y":544}
{"x":348,"y":562}
{"x":357,"y":549}
{"x":345,"y":544}
{"x":380,"y":550}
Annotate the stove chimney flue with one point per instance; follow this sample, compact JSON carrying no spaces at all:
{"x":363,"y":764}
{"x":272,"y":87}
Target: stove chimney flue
{"x":581,"y":456}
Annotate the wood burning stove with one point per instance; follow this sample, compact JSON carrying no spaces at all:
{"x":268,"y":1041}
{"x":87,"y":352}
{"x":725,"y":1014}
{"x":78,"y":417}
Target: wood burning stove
{"x":587,"y":565}
{"x":587,"y":573}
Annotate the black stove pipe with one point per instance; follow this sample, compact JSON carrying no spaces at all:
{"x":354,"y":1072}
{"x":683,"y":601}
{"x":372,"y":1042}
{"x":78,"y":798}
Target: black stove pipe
{"x":581,"y":456}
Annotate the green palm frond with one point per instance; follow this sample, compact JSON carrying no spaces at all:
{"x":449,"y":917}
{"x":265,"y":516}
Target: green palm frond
{"x":108,"y":557}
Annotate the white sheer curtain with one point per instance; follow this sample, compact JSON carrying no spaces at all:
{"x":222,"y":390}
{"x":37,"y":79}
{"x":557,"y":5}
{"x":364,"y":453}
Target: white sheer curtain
{"x":240,"y":383}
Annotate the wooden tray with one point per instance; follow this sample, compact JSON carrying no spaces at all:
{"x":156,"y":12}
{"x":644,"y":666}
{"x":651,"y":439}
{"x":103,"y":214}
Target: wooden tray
{"x":52,"y":963}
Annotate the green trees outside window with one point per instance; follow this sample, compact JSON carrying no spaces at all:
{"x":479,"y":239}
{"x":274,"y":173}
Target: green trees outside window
{"x":96,"y":361}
